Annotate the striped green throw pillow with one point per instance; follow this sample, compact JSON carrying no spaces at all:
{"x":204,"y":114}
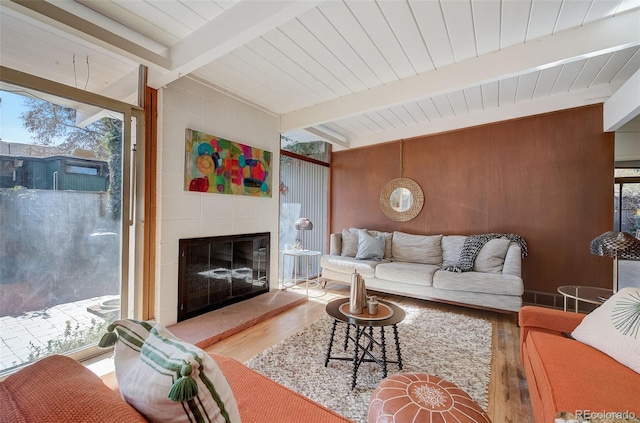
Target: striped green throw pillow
{"x":167,"y":379}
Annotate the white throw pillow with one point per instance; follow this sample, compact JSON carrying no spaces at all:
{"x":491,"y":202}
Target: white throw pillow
{"x":370,"y":247}
{"x":490,"y":259}
{"x":425,"y":249}
{"x":614,"y":328}
{"x":349,"y":243}
{"x":150,"y":363}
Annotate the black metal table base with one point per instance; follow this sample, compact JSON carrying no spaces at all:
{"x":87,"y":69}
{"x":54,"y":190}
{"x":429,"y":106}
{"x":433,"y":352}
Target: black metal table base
{"x":364,"y":343}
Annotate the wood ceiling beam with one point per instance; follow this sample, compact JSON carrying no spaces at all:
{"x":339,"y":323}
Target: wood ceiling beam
{"x":599,"y":37}
{"x":242,"y":23}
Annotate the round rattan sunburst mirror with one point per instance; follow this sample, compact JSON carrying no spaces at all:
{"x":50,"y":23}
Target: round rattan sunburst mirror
{"x":401,"y":199}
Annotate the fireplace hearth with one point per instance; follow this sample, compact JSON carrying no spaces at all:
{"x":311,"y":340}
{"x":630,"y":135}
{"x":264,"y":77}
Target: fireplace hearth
{"x":217,"y":271}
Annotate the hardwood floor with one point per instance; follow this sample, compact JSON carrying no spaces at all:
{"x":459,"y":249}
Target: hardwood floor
{"x":508,"y":393}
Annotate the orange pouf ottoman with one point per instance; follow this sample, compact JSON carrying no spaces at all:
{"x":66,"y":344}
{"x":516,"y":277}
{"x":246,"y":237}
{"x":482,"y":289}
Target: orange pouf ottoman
{"x":417,"y":397}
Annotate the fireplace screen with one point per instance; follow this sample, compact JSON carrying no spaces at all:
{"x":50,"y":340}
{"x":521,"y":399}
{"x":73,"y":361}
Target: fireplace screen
{"x":218,"y":271}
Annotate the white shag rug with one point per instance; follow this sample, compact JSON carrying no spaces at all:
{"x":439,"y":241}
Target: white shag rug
{"x":451,"y":346}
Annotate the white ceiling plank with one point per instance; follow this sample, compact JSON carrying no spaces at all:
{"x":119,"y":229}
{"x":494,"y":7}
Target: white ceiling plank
{"x":629,"y":68}
{"x":544,"y":14}
{"x":111,"y":16}
{"x":55,"y":53}
{"x":153,"y":13}
{"x":237,"y":83}
{"x":181,"y":13}
{"x":82,"y":28}
{"x":207,"y":9}
{"x":356,"y":125}
{"x":515,"y":21}
{"x":526,"y":86}
{"x":507,"y":91}
{"x":379,"y":120}
{"x":351,"y":30}
{"x":573,"y":14}
{"x":547,"y":81}
{"x":372,"y":124}
{"x":458,"y":102}
{"x":404,"y":27}
{"x":473,"y":97}
{"x":322,"y":29}
{"x":342,"y":127}
{"x":295,"y":30}
{"x":242,"y":23}
{"x":416,"y":112}
{"x":459,"y":22}
{"x":443,"y":105}
{"x":490,"y":97}
{"x":429,"y":108}
{"x":364,"y":124}
{"x":577,"y":98}
{"x":277,"y":74}
{"x":385,"y":40}
{"x":588,"y":73}
{"x":613,"y":65}
{"x":391,"y":117}
{"x":433,"y":29}
{"x":275,"y":89}
{"x":292,"y":68}
{"x":563,"y":47}
{"x":306,"y":61}
{"x":600,"y":8}
{"x":568,"y":75}
{"x":402,"y":113}
{"x":226,"y":4}
{"x":486,"y":18}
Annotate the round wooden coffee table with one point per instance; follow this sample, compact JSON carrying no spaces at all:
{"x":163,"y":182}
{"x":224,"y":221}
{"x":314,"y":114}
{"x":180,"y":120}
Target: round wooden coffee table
{"x":364,"y":340}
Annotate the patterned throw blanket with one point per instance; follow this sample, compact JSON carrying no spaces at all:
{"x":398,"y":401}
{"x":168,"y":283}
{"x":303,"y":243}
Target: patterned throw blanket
{"x":472,"y":246}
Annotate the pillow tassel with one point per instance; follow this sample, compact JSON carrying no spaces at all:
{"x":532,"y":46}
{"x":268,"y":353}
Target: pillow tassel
{"x":185,"y":388}
{"x":109,"y":339}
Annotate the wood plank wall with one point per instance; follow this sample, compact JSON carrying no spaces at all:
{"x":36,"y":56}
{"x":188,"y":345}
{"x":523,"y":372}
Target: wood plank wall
{"x":547,"y":177}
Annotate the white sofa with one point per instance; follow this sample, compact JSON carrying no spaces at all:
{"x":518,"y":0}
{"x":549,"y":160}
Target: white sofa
{"x":412,"y":267}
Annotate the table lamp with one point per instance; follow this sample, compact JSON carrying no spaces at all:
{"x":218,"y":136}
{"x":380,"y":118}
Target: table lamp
{"x":617,"y":245}
{"x":303,"y":224}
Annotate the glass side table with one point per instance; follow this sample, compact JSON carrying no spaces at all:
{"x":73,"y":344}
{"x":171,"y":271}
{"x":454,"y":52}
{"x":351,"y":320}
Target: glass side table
{"x":296,"y":254}
{"x":585,"y":294}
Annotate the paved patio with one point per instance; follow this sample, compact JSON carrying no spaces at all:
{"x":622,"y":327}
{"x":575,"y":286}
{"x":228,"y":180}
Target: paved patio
{"x":16,"y":332}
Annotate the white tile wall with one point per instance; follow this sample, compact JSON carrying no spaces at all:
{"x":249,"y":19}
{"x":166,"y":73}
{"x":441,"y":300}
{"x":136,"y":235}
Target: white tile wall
{"x":186,"y":104}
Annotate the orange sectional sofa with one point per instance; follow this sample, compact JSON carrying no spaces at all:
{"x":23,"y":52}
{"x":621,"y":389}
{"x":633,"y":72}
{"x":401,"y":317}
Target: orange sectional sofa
{"x":566,"y":375}
{"x":59,"y":389}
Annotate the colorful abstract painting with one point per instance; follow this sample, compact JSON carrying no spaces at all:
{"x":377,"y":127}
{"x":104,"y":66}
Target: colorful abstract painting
{"x":217,"y":165}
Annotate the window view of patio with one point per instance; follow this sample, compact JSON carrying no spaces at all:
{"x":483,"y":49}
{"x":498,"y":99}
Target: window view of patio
{"x":627,"y":218}
{"x":61,"y":220}
{"x":304,"y":179}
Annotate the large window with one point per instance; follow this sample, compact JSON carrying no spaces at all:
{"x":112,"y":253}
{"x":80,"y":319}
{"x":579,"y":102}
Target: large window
{"x":627,"y":201}
{"x":304,"y":179}
{"x":627,"y":218}
{"x":66,"y":220}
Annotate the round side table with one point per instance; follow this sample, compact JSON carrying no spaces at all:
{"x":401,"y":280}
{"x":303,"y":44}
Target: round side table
{"x":585,"y":294}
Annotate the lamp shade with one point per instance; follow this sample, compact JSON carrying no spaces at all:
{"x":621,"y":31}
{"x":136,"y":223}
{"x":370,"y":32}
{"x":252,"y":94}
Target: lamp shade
{"x":616,"y":244}
{"x":304,"y":224}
